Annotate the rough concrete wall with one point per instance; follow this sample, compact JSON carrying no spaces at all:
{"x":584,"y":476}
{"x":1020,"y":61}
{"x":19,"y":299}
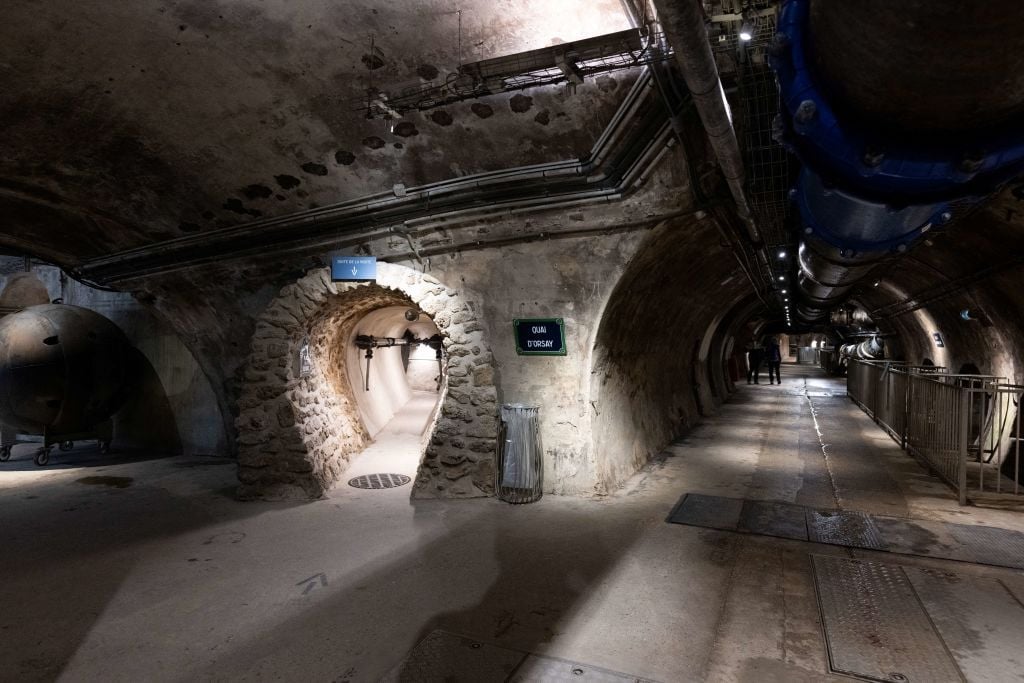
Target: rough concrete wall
{"x":207,"y":114}
{"x":648,"y":384}
{"x":296,"y":434}
{"x":21,"y":290}
{"x":566,"y":278}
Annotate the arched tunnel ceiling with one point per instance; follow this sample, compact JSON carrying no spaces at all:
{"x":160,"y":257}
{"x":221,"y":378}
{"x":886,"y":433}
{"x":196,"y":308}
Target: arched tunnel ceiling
{"x":130,"y":123}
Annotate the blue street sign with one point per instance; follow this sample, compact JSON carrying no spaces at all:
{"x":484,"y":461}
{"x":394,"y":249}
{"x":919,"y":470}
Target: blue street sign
{"x":540,"y":336}
{"x":353,"y":268}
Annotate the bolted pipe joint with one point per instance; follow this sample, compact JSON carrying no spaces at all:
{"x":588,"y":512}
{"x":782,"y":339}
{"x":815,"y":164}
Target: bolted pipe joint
{"x":865,"y":192}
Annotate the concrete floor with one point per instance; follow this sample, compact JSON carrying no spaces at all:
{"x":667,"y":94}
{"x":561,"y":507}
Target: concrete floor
{"x":153,"y":572}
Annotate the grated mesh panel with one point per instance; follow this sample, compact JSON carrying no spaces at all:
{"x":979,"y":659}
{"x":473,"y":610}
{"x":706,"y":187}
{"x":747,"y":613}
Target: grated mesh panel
{"x":843,"y":527}
{"x":379,"y":481}
{"x":990,"y":545}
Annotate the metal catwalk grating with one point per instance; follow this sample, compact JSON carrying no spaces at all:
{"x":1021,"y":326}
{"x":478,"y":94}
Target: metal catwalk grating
{"x":875,"y":627}
{"x":1001,"y":546}
{"x":842,"y":527}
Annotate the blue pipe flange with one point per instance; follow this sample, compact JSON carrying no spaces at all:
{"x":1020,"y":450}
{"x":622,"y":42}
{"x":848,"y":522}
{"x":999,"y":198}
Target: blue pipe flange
{"x":856,"y":225}
{"x":884,"y":169}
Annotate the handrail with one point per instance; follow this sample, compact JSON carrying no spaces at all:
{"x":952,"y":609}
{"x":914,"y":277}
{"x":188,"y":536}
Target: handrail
{"x":965,"y":427}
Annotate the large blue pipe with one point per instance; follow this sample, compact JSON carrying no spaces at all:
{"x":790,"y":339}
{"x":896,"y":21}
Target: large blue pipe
{"x":873,"y":182}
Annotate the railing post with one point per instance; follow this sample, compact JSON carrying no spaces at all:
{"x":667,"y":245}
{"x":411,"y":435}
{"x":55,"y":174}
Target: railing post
{"x":962,"y":468}
{"x":906,"y":410}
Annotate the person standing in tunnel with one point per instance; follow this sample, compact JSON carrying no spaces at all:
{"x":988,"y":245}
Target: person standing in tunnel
{"x":773,"y":354}
{"x":755,"y":356}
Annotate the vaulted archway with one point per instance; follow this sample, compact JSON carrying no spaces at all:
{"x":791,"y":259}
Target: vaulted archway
{"x":298,"y":430}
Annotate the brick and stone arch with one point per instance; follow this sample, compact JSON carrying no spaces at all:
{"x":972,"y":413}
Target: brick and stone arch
{"x":297,"y":434}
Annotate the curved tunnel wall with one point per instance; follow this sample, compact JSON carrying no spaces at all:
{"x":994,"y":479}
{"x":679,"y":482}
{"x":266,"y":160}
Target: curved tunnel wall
{"x":391,"y":385}
{"x":976,"y":266}
{"x":648,"y":382}
{"x":392,"y":377}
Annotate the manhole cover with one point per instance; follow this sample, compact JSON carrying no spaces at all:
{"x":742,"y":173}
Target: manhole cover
{"x":379,"y":481}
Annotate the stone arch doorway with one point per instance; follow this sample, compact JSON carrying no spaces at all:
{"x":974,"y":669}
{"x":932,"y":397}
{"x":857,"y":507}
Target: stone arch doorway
{"x":299,"y":427}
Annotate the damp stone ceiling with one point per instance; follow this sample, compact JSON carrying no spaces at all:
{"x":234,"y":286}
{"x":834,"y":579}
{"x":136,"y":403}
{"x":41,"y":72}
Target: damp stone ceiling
{"x":129,"y":123}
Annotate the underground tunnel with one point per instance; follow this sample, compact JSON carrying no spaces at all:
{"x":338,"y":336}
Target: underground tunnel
{"x":632,"y":340}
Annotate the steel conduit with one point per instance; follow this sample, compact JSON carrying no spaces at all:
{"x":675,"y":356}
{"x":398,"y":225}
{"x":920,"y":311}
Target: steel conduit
{"x":683,"y":24}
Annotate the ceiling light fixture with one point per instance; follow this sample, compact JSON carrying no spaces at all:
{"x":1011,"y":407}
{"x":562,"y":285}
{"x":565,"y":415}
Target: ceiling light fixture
{"x":746,"y":31}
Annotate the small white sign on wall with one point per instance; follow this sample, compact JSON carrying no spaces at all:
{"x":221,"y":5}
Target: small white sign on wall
{"x":305,"y":361}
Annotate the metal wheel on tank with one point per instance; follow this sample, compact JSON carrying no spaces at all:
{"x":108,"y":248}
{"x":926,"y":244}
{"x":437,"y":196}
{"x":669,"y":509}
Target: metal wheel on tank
{"x":5,"y":452}
{"x":42,"y":456}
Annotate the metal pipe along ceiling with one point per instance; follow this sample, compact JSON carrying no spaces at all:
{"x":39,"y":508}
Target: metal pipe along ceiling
{"x":903,"y":115}
{"x":683,"y":24}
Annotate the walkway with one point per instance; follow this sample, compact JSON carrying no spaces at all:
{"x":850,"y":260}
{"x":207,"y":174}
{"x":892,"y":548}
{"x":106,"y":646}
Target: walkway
{"x":151,"y":571}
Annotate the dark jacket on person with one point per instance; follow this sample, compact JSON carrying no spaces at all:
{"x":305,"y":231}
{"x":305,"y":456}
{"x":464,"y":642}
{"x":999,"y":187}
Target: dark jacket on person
{"x":755,"y":356}
{"x":774,"y":354}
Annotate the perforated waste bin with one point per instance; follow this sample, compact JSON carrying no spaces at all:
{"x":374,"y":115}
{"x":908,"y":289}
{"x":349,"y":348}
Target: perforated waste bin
{"x":519,"y":475}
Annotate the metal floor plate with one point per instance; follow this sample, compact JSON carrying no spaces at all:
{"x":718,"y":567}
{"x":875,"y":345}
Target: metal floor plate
{"x":774,"y":519}
{"x":843,"y":527}
{"x":451,"y":658}
{"x":989,"y":545}
{"x":852,"y":529}
{"x":538,"y":669}
{"x":921,"y":537}
{"x":875,"y":627}
{"x":713,"y":512}
{"x":978,"y":618}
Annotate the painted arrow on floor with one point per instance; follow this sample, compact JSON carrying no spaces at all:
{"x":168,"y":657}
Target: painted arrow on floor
{"x":311,"y":582}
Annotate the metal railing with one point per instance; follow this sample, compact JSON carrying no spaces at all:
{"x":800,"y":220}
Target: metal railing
{"x":966,"y":428}
{"x":826,"y":359}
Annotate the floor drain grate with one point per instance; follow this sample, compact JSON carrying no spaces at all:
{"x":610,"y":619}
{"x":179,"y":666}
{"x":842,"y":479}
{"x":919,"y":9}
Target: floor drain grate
{"x":379,"y":481}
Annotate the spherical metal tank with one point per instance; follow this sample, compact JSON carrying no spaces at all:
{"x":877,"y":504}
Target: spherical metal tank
{"x":63,"y":369}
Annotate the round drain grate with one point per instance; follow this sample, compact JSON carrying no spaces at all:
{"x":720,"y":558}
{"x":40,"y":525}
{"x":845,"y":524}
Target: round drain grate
{"x":379,"y":481}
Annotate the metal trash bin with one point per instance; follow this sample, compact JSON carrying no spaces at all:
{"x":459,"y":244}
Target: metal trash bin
{"x":519,"y":474}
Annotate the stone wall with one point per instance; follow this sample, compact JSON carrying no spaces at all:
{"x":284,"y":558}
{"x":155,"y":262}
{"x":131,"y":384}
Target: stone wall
{"x":297,"y":434}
